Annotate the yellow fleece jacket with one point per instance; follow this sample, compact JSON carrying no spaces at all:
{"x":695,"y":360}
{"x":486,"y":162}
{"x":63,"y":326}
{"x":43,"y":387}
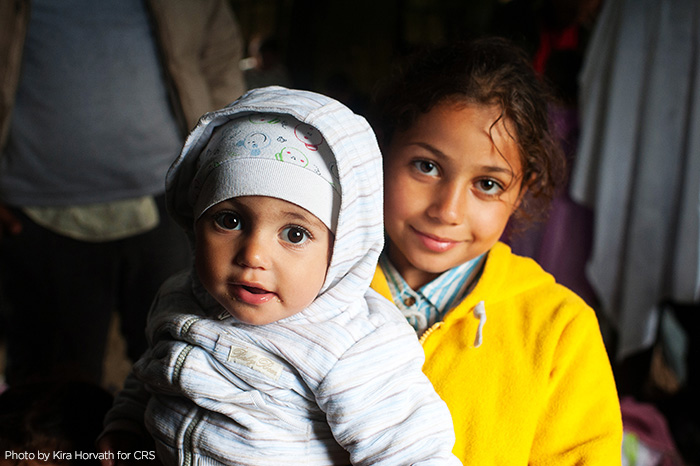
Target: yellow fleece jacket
{"x":539,"y":390}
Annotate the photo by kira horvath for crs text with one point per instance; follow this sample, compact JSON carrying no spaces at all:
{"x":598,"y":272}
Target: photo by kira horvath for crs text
{"x":77,"y":455}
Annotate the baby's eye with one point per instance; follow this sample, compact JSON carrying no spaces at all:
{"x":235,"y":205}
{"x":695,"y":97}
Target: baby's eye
{"x":489,"y":186}
{"x":426,"y":167}
{"x":295,"y":235}
{"x":228,"y":220}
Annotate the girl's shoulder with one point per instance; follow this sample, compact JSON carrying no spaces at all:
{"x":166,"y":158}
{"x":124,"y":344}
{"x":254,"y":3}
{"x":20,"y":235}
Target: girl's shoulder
{"x":520,"y":285}
{"x":511,"y":274}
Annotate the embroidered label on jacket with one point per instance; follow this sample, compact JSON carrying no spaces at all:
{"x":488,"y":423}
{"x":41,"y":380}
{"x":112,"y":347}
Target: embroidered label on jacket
{"x":255,"y":360}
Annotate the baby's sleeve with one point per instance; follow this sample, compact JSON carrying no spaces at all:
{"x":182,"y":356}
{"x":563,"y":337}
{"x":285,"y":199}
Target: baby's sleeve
{"x":380,"y":405}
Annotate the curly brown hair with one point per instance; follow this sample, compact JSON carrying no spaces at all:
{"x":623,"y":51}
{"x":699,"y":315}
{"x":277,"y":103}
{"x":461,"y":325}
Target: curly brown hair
{"x":485,"y":71}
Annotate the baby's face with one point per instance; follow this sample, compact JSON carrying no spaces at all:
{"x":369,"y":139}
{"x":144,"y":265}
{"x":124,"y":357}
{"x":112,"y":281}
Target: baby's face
{"x":261,"y":258}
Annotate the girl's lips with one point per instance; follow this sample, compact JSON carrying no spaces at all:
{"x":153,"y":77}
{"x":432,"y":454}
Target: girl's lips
{"x":435,"y":243}
{"x":250,"y":294}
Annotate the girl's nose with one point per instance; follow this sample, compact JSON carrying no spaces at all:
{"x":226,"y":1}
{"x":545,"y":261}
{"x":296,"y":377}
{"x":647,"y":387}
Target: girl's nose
{"x":253,"y":252}
{"x":449,"y":204}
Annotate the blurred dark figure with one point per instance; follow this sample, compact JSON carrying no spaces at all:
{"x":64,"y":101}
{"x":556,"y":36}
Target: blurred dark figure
{"x":96,"y":100}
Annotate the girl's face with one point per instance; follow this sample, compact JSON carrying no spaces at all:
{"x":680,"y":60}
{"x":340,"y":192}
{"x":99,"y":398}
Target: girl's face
{"x":452,"y":181}
{"x":263,"y":259}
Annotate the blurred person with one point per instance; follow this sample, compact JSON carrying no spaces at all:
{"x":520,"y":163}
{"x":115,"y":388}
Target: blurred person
{"x":96,"y":100}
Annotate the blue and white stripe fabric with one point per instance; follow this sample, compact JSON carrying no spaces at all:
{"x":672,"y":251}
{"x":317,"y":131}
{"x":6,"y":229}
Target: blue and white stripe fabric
{"x":429,"y":304}
{"x":338,"y":383}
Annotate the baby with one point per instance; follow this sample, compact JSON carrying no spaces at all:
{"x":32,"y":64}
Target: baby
{"x":274,"y":350}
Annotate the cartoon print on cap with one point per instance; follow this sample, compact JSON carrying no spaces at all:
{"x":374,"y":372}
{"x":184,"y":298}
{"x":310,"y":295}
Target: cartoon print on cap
{"x":254,"y":142}
{"x":263,"y":118}
{"x":292,"y":155}
{"x":309,"y":135}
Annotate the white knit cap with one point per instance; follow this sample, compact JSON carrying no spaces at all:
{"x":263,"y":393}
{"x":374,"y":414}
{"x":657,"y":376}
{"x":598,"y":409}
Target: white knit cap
{"x":268,"y":155}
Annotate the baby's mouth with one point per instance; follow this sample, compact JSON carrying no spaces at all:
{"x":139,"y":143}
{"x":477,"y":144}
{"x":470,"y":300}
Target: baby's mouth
{"x":250,"y":294}
{"x":254,"y":290}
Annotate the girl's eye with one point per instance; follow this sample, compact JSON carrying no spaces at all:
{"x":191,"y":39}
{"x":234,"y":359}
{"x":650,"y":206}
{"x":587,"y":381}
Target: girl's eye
{"x":228,"y":220}
{"x":295,"y":235}
{"x":426,"y":167}
{"x":489,"y":186}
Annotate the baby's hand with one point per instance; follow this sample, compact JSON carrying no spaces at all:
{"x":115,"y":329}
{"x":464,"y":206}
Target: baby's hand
{"x":124,"y":449}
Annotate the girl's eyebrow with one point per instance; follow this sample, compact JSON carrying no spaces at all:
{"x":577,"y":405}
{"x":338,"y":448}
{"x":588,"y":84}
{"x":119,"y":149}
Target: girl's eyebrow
{"x":441,"y":155}
{"x":497,"y":169}
{"x":430,"y":148}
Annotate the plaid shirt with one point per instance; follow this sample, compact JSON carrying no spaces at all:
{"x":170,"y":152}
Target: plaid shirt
{"x":429,"y":304}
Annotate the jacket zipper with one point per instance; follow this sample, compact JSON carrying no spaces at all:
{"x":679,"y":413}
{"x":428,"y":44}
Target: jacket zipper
{"x":180,"y":361}
{"x":428,"y":332}
{"x":187,"y":443}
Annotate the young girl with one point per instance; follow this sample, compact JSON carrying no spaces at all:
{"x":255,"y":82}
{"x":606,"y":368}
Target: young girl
{"x":518,"y":358}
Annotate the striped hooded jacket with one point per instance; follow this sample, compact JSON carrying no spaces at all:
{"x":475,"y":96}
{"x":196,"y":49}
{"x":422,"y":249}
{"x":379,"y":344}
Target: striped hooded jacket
{"x":338,"y":383}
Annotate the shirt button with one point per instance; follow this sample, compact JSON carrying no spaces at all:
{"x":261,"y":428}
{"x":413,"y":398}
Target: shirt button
{"x":410,"y":301}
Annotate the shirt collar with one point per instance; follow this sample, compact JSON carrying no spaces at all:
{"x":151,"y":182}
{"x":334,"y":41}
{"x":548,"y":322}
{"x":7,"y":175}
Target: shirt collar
{"x":436,"y":297}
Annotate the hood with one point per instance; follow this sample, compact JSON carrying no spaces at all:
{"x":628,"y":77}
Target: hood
{"x":359,"y":235}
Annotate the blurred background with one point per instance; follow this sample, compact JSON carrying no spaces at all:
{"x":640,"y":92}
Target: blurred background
{"x":624,"y":232}
{"x":344,"y":48}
